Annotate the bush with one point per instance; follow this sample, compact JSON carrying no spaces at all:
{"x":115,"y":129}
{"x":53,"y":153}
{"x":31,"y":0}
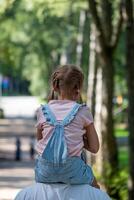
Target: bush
{"x":1,"y":113}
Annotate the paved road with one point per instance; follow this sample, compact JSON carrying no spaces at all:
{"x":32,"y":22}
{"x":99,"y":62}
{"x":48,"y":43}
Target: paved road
{"x":17,"y":127}
{"x":15,"y":175}
{"x":19,"y":122}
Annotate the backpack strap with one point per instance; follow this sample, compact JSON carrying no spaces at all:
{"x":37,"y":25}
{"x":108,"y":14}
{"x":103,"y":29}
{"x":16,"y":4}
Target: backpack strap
{"x":72,"y":114}
{"x":51,"y":119}
{"x":49,"y":115}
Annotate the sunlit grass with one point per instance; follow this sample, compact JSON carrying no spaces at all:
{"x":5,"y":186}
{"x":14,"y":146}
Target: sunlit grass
{"x":123,"y":151}
{"x":123,"y":157}
{"x":123,"y":172}
{"x":119,"y":132}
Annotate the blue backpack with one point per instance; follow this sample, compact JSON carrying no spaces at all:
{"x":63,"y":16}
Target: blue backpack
{"x":55,"y":165}
{"x":56,"y":149}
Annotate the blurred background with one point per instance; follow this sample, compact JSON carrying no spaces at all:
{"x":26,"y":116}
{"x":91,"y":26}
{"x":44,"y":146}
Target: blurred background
{"x":35,"y":37}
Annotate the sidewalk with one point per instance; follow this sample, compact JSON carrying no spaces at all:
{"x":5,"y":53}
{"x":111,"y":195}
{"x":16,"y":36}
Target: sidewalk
{"x":15,"y":175}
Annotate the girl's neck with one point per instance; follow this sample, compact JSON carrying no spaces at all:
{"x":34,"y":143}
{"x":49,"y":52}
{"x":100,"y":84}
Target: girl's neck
{"x":60,"y":97}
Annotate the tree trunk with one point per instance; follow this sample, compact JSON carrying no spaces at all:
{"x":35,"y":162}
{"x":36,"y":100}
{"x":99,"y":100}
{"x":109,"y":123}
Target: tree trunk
{"x":98,"y":159}
{"x":63,"y":58}
{"x":130,"y":82}
{"x":109,"y":147}
{"x":107,"y":48}
{"x":80,"y":37}
{"x":108,"y":142}
{"x":92,"y":70}
{"x":85,"y":50}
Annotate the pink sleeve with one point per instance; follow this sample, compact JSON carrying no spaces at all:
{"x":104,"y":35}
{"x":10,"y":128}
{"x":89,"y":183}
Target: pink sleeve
{"x":87,"y":116}
{"x":40,"y":118}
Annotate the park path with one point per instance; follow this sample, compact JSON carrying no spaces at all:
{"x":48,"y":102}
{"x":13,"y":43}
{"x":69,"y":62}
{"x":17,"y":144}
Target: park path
{"x":15,"y":175}
{"x":18,"y":123}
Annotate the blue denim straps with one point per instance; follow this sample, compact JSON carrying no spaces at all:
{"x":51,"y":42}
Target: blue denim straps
{"x":56,"y":149}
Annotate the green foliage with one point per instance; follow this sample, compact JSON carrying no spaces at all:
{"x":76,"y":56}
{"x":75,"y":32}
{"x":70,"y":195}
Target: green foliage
{"x":117,"y":182}
{"x":120,"y":182}
{"x":33,"y":36}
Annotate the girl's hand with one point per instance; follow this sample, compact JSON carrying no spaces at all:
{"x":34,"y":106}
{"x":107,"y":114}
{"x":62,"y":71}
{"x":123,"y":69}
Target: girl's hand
{"x":85,"y":140}
{"x":39,"y":134}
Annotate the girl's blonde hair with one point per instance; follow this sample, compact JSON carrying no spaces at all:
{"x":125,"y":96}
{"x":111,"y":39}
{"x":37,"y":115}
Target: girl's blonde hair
{"x":68,"y":79}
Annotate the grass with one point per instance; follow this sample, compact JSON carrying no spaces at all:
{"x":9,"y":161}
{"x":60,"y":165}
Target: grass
{"x":123,"y":157}
{"x":123,"y":172}
{"x":121,"y":132}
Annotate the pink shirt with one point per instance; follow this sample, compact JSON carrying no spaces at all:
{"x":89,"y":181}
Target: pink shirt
{"x":73,"y":132}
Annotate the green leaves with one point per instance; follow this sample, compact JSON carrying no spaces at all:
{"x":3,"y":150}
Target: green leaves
{"x":33,"y":34}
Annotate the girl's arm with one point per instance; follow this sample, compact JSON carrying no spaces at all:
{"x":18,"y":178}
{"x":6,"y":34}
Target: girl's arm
{"x":91,"y":141}
{"x":39,"y":134}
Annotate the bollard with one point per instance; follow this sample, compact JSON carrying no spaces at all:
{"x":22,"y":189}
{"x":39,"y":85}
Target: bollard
{"x":32,"y":143}
{"x":18,"y":149}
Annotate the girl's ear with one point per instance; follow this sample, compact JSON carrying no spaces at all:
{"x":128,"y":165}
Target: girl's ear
{"x":56,"y":86}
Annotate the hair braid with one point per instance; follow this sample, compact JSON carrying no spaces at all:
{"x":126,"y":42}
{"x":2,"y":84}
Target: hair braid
{"x":68,"y":79}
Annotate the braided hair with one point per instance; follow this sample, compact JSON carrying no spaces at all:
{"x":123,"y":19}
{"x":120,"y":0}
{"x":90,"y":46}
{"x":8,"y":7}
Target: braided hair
{"x":67,"y":79}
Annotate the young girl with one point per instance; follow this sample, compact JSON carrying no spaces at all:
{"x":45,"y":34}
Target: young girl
{"x":64,"y":128}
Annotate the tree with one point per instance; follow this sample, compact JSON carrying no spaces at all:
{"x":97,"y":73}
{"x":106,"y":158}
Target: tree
{"x":130,"y":83}
{"x":33,"y":37}
{"x":92,"y":72}
{"x":108,"y":37}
